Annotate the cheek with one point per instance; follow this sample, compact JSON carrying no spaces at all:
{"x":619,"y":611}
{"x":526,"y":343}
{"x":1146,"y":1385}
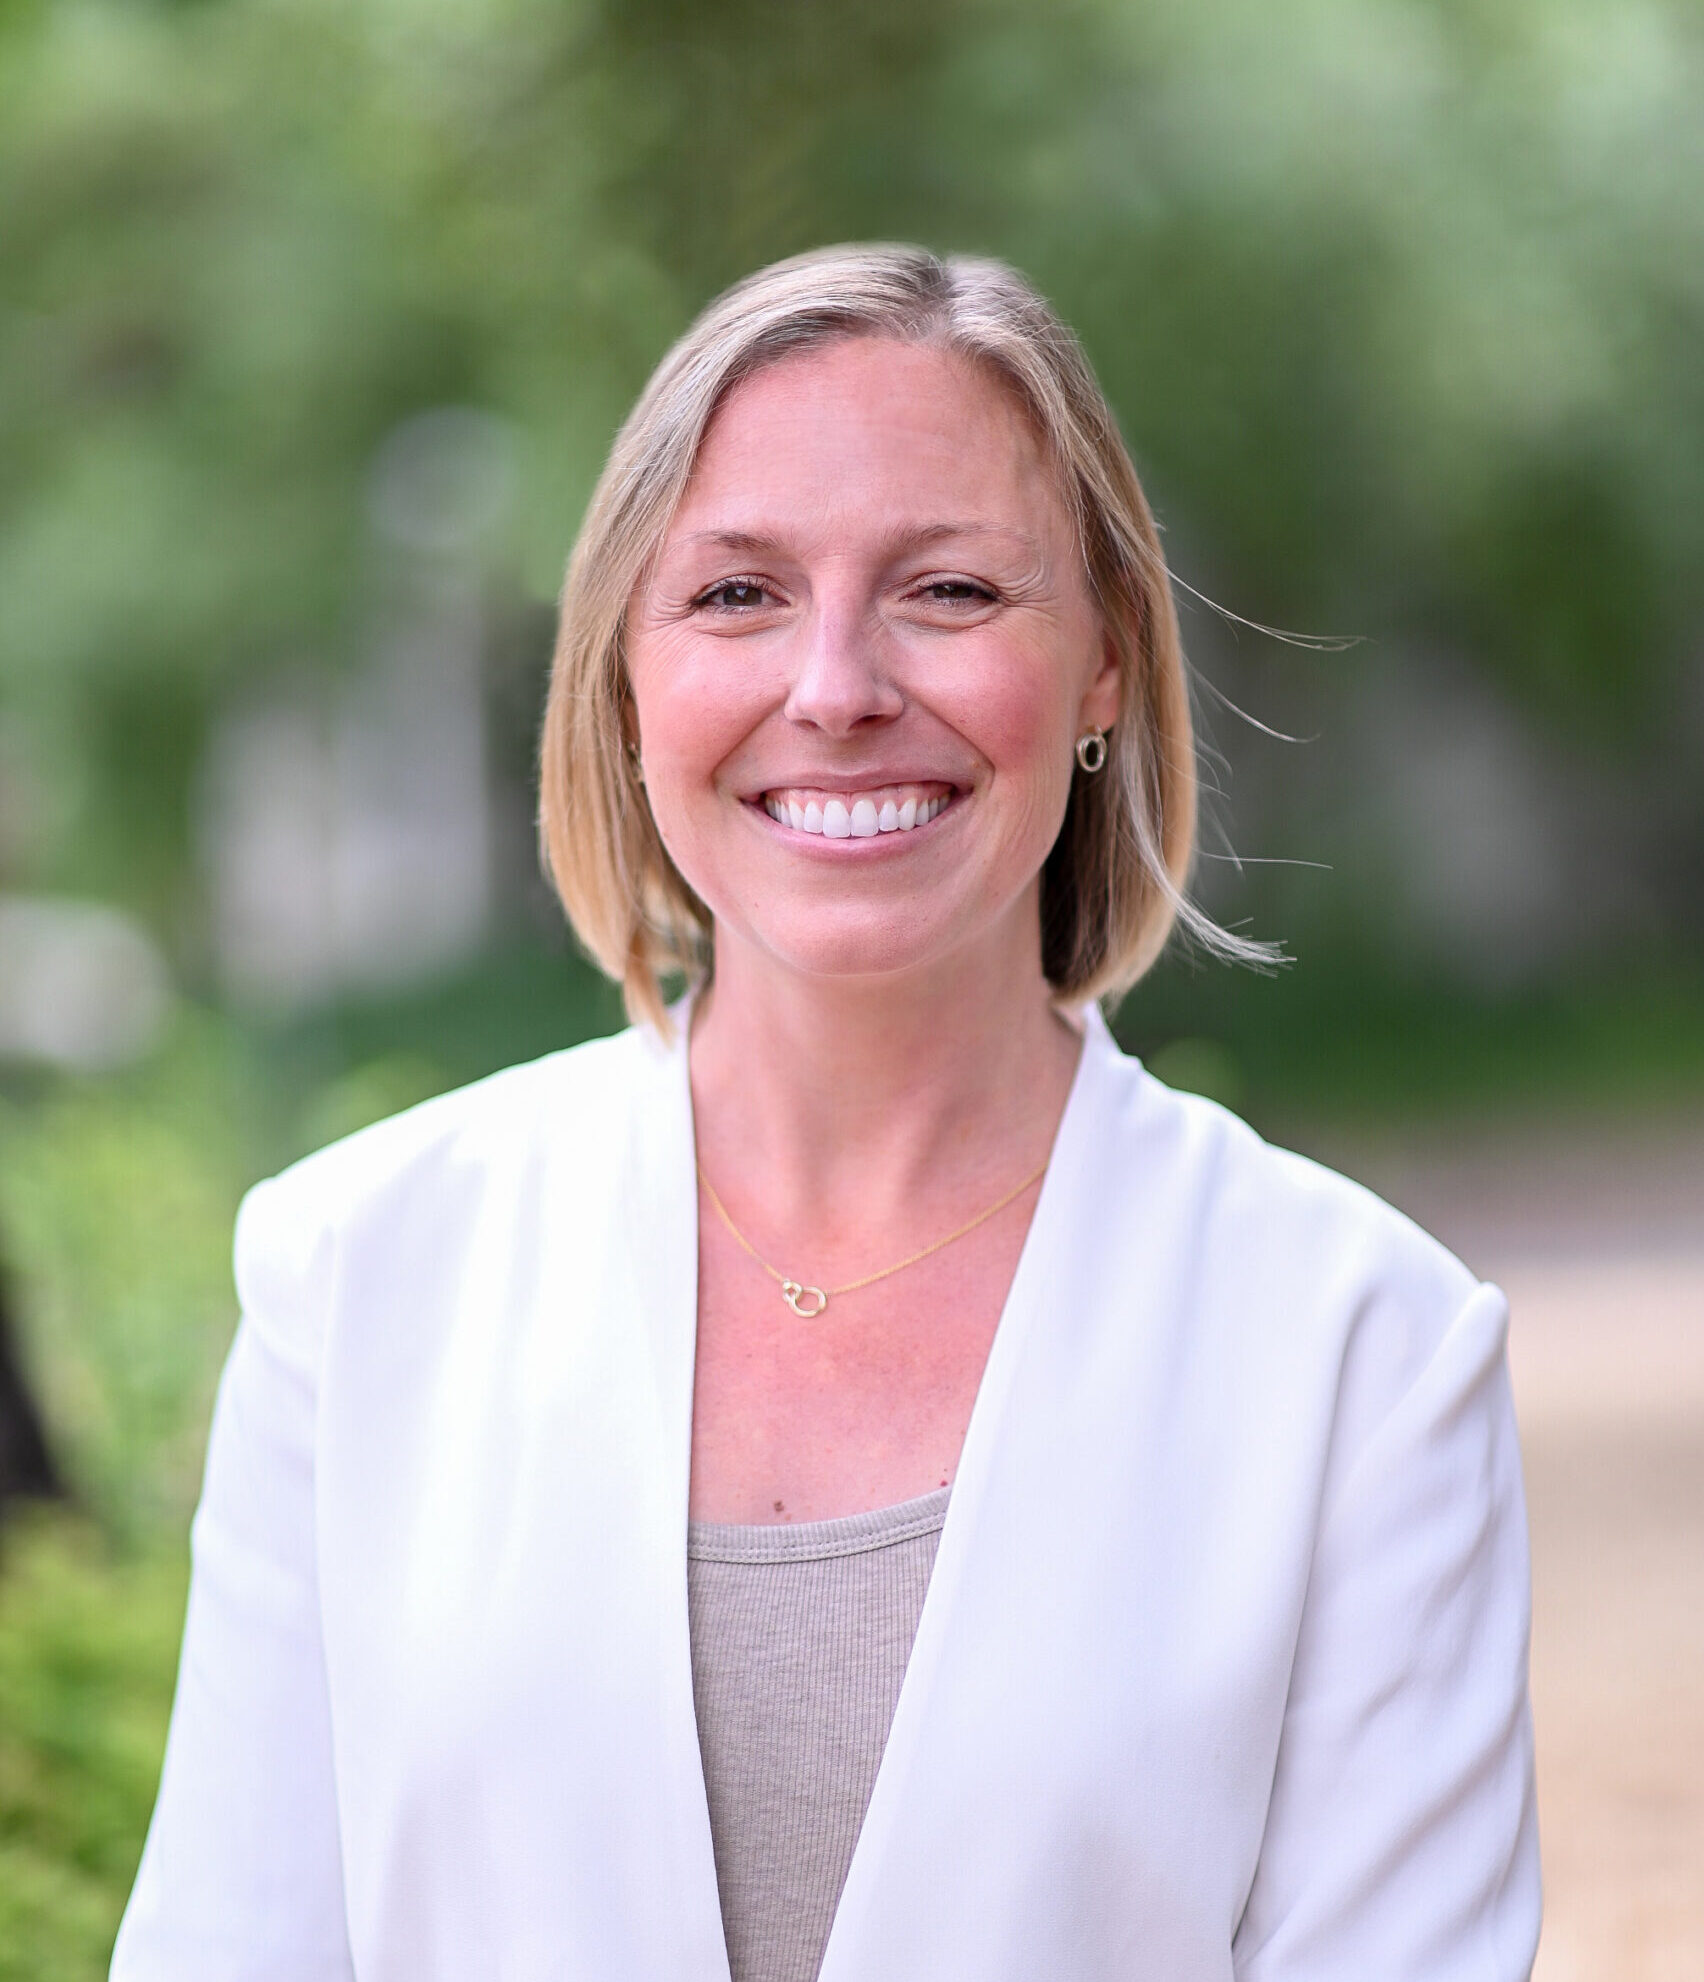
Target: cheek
{"x":694,"y":709}
{"x":697,"y":702}
{"x":1016,"y":711}
{"x":1023,"y":722}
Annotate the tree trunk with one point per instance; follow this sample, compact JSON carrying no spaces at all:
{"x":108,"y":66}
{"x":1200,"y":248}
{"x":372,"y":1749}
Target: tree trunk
{"x":26,"y":1466}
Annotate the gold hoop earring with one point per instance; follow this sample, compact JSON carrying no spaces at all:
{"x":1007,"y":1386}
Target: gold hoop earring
{"x":1091,"y":750}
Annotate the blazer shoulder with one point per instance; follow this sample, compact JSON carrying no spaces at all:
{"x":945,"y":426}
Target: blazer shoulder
{"x":290,"y":1226}
{"x":1321,"y":1251}
{"x":1288,"y":1206}
{"x":1305,"y":1293}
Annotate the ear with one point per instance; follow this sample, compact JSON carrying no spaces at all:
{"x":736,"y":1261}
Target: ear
{"x":1104,"y":697}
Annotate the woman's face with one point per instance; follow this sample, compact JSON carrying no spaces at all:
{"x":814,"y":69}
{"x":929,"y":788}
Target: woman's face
{"x":861,"y":664}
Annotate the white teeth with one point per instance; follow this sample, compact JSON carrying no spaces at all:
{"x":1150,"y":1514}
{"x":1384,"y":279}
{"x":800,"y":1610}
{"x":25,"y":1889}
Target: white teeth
{"x":851,"y":817}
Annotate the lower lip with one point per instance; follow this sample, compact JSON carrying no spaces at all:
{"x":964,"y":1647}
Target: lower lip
{"x":853,"y":845}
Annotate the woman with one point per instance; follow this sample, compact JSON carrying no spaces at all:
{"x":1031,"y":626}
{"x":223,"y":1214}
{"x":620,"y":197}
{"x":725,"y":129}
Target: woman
{"x":604,"y":1445}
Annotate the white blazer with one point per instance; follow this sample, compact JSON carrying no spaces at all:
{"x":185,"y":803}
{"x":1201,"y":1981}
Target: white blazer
{"x":1222,"y":1670}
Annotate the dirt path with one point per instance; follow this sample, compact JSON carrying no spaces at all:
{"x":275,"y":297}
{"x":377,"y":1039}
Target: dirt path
{"x":1599,"y":1242}
{"x":1608,"y":1360}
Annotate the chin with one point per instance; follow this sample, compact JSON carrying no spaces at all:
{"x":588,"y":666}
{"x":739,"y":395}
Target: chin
{"x":846,"y":957}
{"x":862,"y":943}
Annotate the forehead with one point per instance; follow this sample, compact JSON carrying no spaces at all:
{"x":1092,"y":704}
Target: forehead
{"x":867,"y":433}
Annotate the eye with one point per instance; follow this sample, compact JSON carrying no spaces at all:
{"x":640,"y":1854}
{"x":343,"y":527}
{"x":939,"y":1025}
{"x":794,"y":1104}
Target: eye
{"x":955,"y":592}
{"x":734,"y":595}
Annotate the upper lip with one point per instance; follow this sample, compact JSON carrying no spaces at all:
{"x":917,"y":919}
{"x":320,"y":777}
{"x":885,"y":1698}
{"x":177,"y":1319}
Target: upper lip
{"x":841,"y":781}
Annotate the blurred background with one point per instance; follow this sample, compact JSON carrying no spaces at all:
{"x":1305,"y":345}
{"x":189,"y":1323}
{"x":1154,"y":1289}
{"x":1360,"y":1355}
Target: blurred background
{"x":315,"y":322}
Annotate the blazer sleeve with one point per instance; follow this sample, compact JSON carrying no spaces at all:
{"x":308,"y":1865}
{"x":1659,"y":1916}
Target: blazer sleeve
{"x":1401,"y":1840}
{"x":241,"y":1879}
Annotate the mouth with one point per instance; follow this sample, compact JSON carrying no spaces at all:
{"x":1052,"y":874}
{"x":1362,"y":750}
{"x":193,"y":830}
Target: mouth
{"x":857,"y":815}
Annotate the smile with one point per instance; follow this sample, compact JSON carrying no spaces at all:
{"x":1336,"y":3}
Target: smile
{"x":857,"y":815}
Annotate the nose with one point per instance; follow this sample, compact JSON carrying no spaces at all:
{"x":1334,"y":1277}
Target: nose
{"x":841,"y":684}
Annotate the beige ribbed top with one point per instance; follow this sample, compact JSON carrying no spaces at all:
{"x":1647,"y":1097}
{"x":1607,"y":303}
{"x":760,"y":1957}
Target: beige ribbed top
{"x":800,"y":1637}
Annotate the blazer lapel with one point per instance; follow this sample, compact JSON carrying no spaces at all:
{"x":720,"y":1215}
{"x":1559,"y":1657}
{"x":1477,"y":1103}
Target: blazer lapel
{"x":658,"y":1241}
{"x":900,"y":1799}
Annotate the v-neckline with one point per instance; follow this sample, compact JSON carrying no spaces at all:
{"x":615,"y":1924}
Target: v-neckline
{"x":1018,"y":1315}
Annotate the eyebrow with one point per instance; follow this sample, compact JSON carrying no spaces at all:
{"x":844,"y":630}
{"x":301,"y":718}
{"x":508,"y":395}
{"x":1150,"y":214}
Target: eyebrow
{"x":901,"y":540}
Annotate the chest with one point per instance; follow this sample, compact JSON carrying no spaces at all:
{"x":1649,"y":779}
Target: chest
{"x":1085,"y":1730}
{"x":863,"y":1405}
{"x":1087,"y":1724}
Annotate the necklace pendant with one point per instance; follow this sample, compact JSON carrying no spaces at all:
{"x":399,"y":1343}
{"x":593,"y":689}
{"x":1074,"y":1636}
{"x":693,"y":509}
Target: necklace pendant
{"x":806,"y":1302}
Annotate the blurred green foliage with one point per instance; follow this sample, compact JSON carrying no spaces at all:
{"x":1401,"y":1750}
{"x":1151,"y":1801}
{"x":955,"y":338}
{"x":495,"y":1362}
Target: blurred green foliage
{"x":87,"y":1647}
{"x":118,"y":1196}
{"x":1400,"y":302}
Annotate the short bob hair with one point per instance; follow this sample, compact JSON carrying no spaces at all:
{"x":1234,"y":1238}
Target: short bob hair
{"x":1113,"y":884}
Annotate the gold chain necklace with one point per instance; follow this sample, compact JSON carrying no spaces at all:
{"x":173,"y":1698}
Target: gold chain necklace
{"x":808,"y":1302}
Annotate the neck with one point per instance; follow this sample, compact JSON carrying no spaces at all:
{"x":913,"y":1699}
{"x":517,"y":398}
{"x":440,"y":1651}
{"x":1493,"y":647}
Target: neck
{"x":833,"y":1089}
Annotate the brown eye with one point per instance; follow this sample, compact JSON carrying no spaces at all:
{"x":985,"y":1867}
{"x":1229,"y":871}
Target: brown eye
{"x":735,"y":595}
{"x":958,"y":592}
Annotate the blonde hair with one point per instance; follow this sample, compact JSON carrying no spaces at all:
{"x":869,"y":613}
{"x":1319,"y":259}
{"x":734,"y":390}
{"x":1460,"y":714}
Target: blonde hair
{"x":1113,"y":885}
